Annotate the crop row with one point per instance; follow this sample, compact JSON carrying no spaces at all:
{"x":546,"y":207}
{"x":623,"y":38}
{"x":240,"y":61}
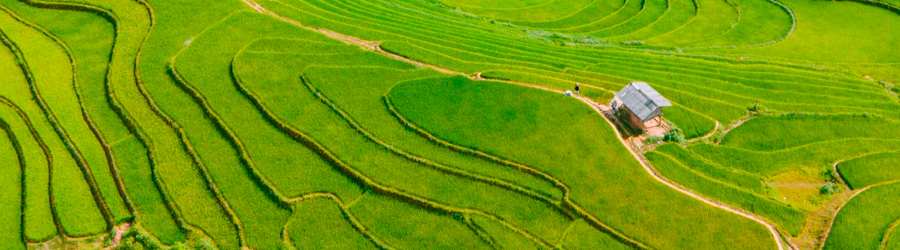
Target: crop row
{"x":712,"y":19}
{"x":865,"y":221}
{"x":543,"y":219}
{"x":791,"y":219}
{"x":564,"y":206}
{"x":719,"y":16}
{"x":469,"y":56}
{"x":173,"y":165}
{"x":315,"y":212}
{"x":75,"y":208}
{"x":870,"y":169}
{"x":815,"y":156}
{"x":427,"y":162}
{"x":35,"y":189}
{"x":41,"y":221}
{"x":438,"y":107}
{"x":203,"y":101}
{"x":597,"y":10}
{"x":261,"y":207}
{"x":89,"y":83}
{"x":12,"y":200}
{"x":797,"y":129}
{"x":321,"y":60}
{"x":360,"y":177}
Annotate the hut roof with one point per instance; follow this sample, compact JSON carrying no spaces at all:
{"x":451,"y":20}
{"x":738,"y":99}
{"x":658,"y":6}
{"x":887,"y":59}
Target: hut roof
{"x":642,"y":100}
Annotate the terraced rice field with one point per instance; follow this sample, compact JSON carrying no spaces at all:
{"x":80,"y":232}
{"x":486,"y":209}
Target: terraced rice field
{"x":443,"y":124}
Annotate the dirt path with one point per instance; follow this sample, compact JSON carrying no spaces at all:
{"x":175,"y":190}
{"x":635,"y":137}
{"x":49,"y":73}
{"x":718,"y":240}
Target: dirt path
{"x":833,"y":216}
{"x":599,"y":108}
{"x":603,"y":108}
{"x":117,"y":238}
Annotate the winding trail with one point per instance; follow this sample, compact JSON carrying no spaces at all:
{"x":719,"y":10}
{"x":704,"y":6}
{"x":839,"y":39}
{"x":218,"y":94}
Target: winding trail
{"x":601,"y":109}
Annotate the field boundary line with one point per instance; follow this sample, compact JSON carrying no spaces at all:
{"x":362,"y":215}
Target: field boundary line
{"x":507,"y":185}
{"x":347,"y":214}
{"x":260,"y":179}
{"x":836,"y":169}
{"x":363,"y":44}
{"x":110,"y":158}
{"x":711,"y":179}
{"x":178,"y":132}
{"x":783,"y":7}
{"x":362,"y":179}
{"x":131,"y":124}
{"x":594,"y":31}
{"x":566,"y":202}
{"x":768,"y":100}
{"x":649,"y":25}
{"x":64,"y":137}
{"x":20,"y":155}
{"x":602,"y":110}
{"x":568,"y":54}
{"x":887,"y":235}
{"x":46,"y":151}
{"x":689,"y":21}
{"x":836,"y":212}
{"x":574,"y":13}
{"x":595,"y":22}
{"x":729,"y":79}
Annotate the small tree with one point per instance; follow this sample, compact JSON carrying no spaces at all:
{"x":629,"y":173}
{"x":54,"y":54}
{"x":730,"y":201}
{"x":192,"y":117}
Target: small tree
{"x":756,"y":108}
{"x":829,"y":189}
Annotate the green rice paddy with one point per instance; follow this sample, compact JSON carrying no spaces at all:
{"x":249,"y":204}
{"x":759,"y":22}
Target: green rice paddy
{"x":442,"y":124}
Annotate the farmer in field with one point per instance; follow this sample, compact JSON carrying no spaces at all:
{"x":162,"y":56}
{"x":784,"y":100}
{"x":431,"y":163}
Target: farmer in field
{"x":567,"y":93}
{"x":577,"y":87}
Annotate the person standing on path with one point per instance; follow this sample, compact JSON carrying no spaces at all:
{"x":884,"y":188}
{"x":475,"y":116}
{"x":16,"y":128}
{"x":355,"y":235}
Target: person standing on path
{"x":577,"y":87}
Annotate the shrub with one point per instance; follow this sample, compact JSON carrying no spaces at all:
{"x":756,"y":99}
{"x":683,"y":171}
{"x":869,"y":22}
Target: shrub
{"x":584,"y":39}
{"x":829,"y":189}
{"x":675,"y":135}
{"x":829,"y":175}
{"x":756,"y":108}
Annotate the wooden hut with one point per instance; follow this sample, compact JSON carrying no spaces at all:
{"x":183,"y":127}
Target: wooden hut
{"x":640,"y":105}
